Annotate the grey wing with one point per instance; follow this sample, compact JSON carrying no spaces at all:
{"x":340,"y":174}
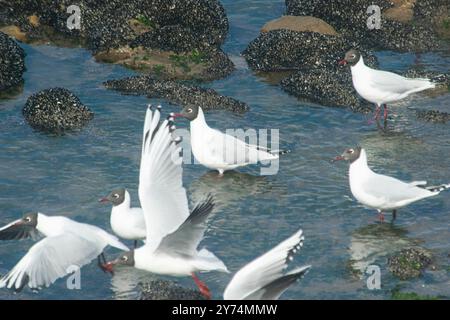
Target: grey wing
{"x":234,"y":151}
{"x":50,"y":259}
{"x":394,"y":83}
{"x":277,"y":287}
{"x":394,"y":190}
{"x":185,"y":240}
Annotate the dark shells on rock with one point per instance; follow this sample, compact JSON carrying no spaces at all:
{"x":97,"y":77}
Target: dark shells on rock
{"x":433,"y":116}
{"x":409,"y":263}
{"x":56,"y":110}
{"x":326,"y":88}
{"x":167,"y":290}
{"x":349,"y":18}
{"x":12,"y":64}
{"x":176,"y":93}
{"x":319,"y":78}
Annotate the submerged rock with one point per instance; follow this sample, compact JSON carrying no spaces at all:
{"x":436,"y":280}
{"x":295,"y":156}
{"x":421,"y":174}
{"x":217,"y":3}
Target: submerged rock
{"x":176,"y":93}
{"x":56,"y":110}
{"x":167,"y":290}
{"x":434,"y":116}
{"x":409,"y":263}
{"x":12,"y":65}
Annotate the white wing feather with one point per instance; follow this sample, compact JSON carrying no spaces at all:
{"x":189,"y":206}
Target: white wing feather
{"x":161,"y":192}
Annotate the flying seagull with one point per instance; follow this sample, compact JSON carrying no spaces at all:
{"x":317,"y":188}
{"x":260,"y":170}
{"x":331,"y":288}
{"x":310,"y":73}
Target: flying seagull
{"x":264,"y":278}
{"x":381,"y":87}
{"x":66,"y":243}
{"x":126,"y":222}
{"x":219,"y":151}
{"x":382,"y":192}
{"x":173,"y":234}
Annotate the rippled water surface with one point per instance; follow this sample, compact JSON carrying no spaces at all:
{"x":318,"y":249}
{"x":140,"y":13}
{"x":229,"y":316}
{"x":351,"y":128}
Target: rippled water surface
{"x":66,"y":175}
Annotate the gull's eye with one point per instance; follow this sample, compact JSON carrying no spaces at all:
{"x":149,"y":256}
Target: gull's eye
{"x":351,"y":151}
{"x":124,"y":258}
{"x":28,"y":219}
{"x":115,"y":196}
{"x":189,"y":110}
{"x":352,"y":56}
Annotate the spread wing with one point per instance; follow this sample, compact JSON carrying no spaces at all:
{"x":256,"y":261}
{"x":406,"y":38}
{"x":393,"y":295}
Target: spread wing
{"x":161,"y":192}
{"x":50,"y":259}
{"x":263,"y":278}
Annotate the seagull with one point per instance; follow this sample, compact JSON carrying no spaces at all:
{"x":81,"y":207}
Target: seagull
{"x":66,"y":243}
{"x":264,"y":277}
{"x":173,"y":234}
{"x":381,"y":192}
{"x":219,"y":151}
{"x":381,"y":87}
{"x":126,"y":222}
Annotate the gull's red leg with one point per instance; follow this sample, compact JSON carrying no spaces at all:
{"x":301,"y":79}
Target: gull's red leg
{"x":377,"y":114}
{"x":381,"y":216}
{"x":202,"y":287}
{"x":385,"y":112}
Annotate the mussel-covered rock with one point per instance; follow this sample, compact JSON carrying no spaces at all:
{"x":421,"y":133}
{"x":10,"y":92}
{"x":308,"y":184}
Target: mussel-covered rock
{"x":167,"y":290}
{"x":56,"y":110}
{"x":12,"y":64}
{"x":176,"y":93}
{"x":409,"y":263}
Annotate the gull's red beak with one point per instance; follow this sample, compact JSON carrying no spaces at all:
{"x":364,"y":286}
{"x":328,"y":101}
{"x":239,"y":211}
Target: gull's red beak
{"x":338,"y":158}
{"x":343,"y":62}
{"x":176,"y":115}
{"x":103,"y":200}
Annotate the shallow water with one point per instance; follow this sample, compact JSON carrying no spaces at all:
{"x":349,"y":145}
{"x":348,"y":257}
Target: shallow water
{"x":66,"y":175}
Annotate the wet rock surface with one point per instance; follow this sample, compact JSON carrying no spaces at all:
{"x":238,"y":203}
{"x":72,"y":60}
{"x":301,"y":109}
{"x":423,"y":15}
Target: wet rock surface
{"x":433,"y":116}
{"x":178,"y":26}
{"x":176,"y":93}
{"x":12,"y":65}
{"x":409,"y":263}
{"x":167,"y":290}
{"x":326,"y":88}
{"x":296,"y":23}
{"x":56,"y":110}
{"x":405,"y":25}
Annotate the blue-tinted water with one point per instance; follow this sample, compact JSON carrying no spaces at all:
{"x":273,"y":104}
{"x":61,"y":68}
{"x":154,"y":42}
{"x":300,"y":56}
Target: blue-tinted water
{"x":66,"y":175}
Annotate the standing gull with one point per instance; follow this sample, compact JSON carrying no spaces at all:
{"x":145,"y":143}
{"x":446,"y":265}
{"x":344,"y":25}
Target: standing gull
{"x":381,"y":87}
{"x":67,"y":243}
{"x":264,"y":278}
{"x":173,"y":234}
{"x":381,"y":192}
{"x":126,"y":222}
{"x":219,"y":151}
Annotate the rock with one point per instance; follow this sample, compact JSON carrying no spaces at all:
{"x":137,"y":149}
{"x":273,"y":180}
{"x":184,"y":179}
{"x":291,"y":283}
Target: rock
{"x":409,"y":263}
{"x":176,"y":93}
{"x":108,"y":27}
{"x":296,"y":23}
{"x":434,"y":116}
{"x":400,"y":29}
{"x":280,"y":50}
{"x":167,"y":290}
{"x":56,"y":110}
{"x":315,"y":57}
{"x":12,"y":65}
{"x":194,"y":65}
{"x":326,"y":88}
